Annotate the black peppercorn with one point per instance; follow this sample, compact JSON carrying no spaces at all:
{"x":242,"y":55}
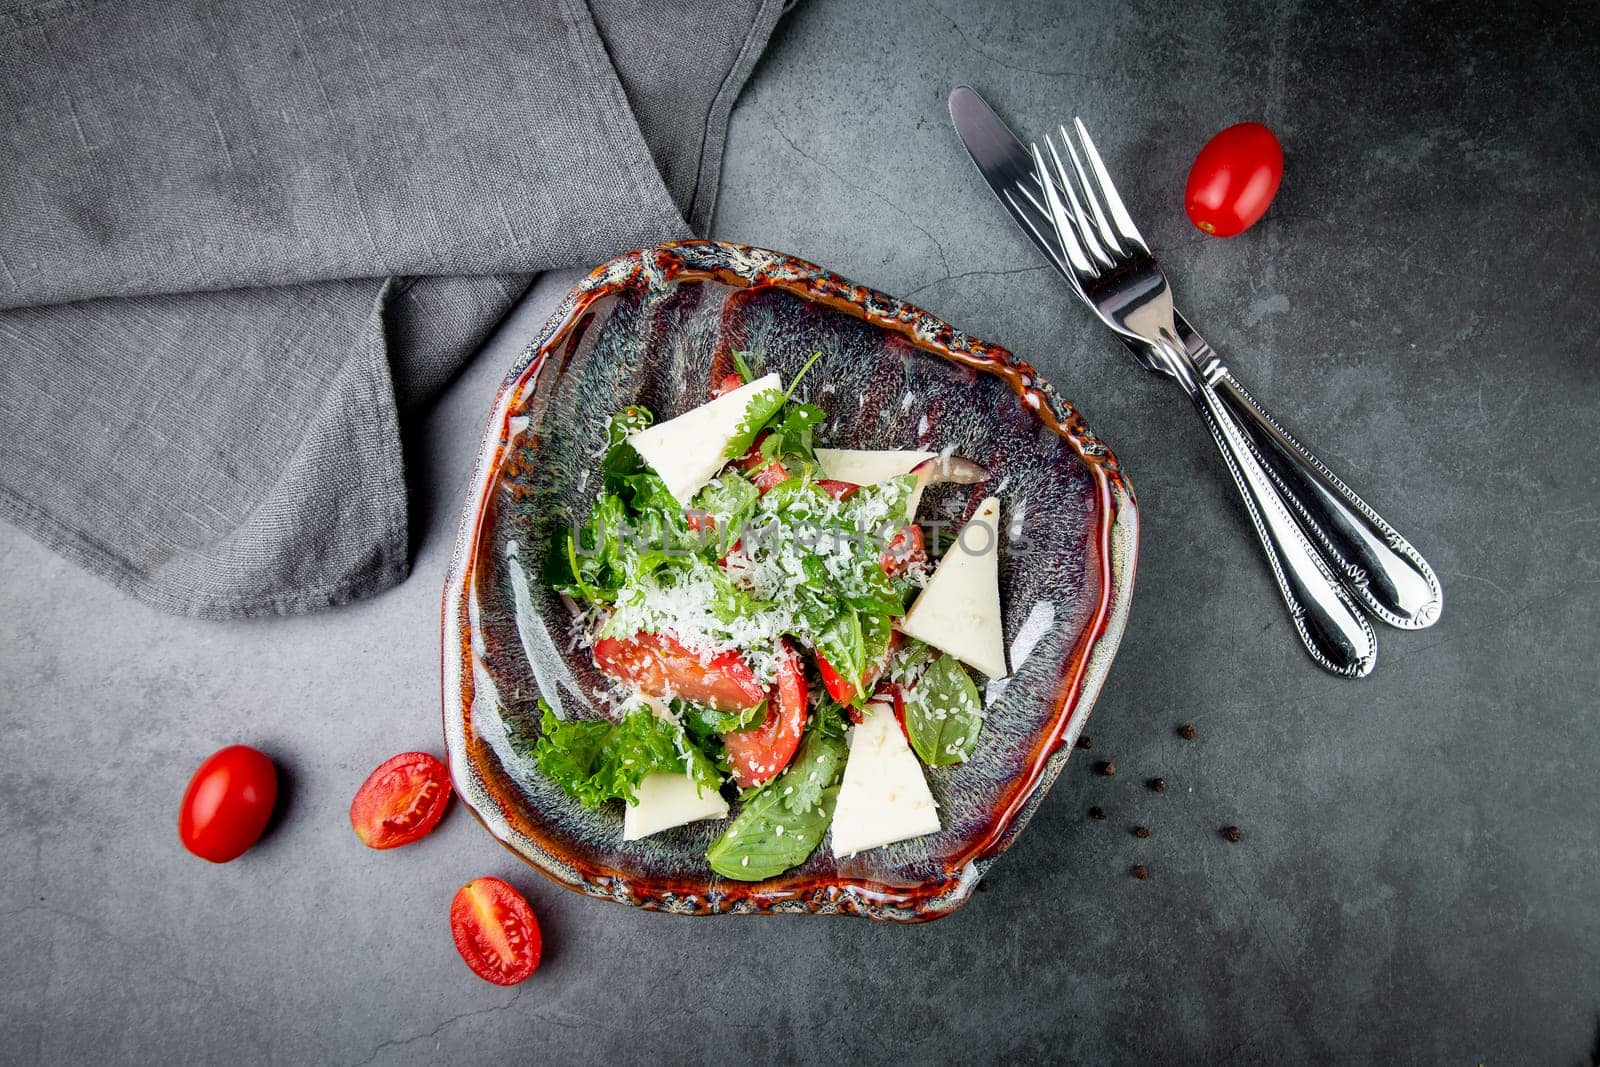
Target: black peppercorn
{"x":1141,"y":872}
{"x":1097,"y":812}
{"x":1158,"y":785}
{"x":1105,"y":768}
{"x":1233,"y":834}
{"x":1186,"y":731}
{"x":1141,"y":831}
{"x":1085,"y":742}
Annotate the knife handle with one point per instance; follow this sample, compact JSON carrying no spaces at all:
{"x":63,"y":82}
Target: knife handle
{"x":1333,"y":630}
{"x":1380,"y":568}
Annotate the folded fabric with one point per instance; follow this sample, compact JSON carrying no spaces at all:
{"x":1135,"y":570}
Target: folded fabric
{"x":239,"y":241}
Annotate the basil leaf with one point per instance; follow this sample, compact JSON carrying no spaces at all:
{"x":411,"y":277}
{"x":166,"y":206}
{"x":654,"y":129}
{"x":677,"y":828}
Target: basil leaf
{"x":842,"y":643}
{"x":817,"y":766}
{"x":769,"y":836}
{"x":943,"y":713}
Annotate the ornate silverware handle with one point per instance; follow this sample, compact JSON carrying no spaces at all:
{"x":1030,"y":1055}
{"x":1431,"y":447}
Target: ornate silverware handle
{"x":1379,"y":567}
{"x":1333,"y":630}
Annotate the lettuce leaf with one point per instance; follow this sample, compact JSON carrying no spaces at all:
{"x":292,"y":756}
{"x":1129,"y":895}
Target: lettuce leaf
{"x":598,"y":760}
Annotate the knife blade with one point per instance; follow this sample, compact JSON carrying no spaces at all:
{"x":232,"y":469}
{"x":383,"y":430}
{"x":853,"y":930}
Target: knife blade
{"x":1007,"y":167}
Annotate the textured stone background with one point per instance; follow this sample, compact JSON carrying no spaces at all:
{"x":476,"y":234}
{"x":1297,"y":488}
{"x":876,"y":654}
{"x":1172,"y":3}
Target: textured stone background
{"x":1420,"y":874}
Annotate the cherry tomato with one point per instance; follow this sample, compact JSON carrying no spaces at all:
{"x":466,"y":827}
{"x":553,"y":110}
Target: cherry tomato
{"x":841,"y":690}
{"x":759,"y":754}
{"x":659,"y":666}
{"x":1234,"y":179}
{"x":228,"y":803}
{"x":906,"y":548}
{"x":495,"y":931}
{"x":835,"y":488}
{"x":402,"y":801}
{"x":729,"y":383}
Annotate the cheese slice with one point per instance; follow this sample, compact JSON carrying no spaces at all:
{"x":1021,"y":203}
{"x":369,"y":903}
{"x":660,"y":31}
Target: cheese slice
{"x":867,"y":466}
{"x":884,"y":797}
{"x":688,"y":451}
{"x":959,"y":610}
{"x":668,"y":800}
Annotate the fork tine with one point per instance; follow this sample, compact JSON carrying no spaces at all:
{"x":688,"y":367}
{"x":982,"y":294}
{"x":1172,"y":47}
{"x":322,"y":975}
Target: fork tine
{"x":1066,"y":232}
{"x":1081,"y":221}
{"x":1103,"y":224}
{"x":1049,"y":243}
{"x":1108,"y":190}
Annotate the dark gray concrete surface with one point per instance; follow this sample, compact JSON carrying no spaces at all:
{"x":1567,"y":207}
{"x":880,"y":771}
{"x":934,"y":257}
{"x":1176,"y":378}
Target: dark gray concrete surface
{"x":1419,"y":879}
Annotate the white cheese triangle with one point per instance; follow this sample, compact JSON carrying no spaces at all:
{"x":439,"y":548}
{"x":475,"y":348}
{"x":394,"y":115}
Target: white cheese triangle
{"x":668,"y":800}
{"x":688,"y":451}
{"x":884,"y":798}
{"x":959,"y":610}
{"x":867,"y":466}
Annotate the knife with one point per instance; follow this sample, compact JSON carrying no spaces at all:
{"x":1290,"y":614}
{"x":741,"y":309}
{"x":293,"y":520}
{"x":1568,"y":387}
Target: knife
{"x":1378,"y":566}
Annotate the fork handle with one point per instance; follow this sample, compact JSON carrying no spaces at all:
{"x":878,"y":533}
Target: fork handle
{"x":1332,"y":629}
{"x":1379,"y":567}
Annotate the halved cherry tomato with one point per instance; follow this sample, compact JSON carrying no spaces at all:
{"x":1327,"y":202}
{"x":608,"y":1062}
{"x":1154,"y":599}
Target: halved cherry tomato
{"x":840,"y":689}
{"x":759,"y":754}
{"x":729,"y":383}
{"x":402,"y":801}
{"x":1234,"y":179}
{"x":903,"y":550}
{"x":228,"y":803}
{"x":495,"y":931}
{"x":659,"y":666}
{"x":835,"y":488}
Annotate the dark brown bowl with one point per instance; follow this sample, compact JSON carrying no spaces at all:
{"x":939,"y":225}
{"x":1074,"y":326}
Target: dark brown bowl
{"x":656,"y":327}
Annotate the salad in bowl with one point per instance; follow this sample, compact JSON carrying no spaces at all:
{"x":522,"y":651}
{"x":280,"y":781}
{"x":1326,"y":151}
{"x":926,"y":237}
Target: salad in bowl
{"x":787,"y":648}
{"x":716,"y":640}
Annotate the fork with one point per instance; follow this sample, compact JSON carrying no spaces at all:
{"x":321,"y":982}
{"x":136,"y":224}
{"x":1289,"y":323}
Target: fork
{"x":1113,"y":271}
{"x":1377,"y":565}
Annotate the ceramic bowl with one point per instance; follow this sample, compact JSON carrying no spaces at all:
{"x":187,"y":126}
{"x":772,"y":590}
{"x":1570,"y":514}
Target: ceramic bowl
{"x":656,"y":327}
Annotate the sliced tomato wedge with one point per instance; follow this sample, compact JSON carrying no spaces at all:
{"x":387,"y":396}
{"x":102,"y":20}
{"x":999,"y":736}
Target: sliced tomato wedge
{"x":495,"y":931}
{"x":840,"y":689}
{"x":904,"y":549}
{"x":729,"y":383}
{"x":759,"y":754}
{"x":658,"y":665}
{"x":402,"y":801}
{"x":835,"y":488}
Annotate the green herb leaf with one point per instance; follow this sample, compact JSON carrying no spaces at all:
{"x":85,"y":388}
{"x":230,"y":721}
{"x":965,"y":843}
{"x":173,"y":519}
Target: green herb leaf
{"x":743,"y":367}
{"x":596,"y":761}
{"x":760,"y":411}
{"x":703,"y":722}
{"x":769,"y":835}
{"x":943,"y":713}
{"x":844,"y":646}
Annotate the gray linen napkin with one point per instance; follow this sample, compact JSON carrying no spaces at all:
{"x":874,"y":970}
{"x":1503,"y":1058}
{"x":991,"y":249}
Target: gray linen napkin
{"x":238,"y":241}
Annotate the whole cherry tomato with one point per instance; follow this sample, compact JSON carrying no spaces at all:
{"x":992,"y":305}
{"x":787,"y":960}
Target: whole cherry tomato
{"x":402,"y":801}
{"x":495,"y":931}
{"x":228,"y":803}
{"x":1234,"y":179}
